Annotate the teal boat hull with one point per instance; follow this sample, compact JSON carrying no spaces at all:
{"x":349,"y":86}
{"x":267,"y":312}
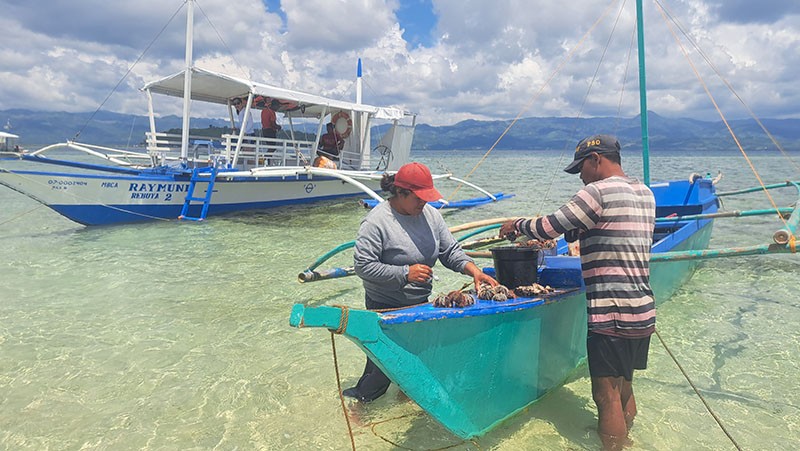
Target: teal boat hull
{"x":474,"y":367}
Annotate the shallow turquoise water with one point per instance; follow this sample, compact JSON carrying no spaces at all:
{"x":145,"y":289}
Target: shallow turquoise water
{"x":175,"y":335}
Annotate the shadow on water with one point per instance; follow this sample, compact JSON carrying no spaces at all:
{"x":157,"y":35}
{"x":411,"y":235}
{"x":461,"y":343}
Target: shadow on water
{"x":354,"y":297}
{"x":562,"y":414}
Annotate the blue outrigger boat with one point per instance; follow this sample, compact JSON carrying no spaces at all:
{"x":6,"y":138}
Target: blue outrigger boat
{"x":512,"y":353}
{"x":471,"y":368}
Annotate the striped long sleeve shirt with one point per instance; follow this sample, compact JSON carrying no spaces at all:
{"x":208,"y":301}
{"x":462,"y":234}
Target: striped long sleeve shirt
{"x":614,"y":219}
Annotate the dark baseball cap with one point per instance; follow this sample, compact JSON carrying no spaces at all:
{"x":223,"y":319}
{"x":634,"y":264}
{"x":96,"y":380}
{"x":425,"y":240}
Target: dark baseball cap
{"x":602,"y":144}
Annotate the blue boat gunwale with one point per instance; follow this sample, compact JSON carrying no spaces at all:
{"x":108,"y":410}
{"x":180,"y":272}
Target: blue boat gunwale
{"x":427,"y":312}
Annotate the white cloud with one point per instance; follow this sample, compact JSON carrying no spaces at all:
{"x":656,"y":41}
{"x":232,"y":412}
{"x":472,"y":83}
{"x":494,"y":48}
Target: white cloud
{"x":491,"y":60}
{"x":336,"y":25}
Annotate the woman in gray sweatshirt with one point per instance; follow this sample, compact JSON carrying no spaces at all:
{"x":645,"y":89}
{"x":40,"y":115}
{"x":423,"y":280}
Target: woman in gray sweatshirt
{"x":398,"y":243}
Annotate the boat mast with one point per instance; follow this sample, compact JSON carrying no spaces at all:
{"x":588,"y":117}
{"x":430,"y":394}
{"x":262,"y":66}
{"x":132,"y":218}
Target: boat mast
{"x":358,"y":82}
{"x":187,"y":82}
{"x":362,"y":121}
{"x":643,"y":94}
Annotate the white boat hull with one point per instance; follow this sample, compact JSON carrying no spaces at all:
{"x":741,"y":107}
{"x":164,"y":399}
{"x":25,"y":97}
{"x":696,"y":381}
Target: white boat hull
{"x":110,"y":198}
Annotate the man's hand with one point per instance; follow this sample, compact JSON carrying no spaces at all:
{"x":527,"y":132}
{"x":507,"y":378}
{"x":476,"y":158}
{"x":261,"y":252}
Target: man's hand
{"x":508,"y":230}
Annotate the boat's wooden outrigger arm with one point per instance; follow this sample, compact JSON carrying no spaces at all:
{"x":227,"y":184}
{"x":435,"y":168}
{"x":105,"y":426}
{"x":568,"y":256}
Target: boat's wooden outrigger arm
{"x":720,"y":253}
{"x":727,"y":214}
{"x":787,"y":235}
{"x":90,"y":149}
{"x":783,"y":240}
{"x":758,"y":188}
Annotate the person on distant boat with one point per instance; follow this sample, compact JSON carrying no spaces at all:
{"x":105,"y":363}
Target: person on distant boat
{"x":240,"y":105}
{"x":269,"y":120}
{"x":613,"y":217}
{"x":331,"y":143}
{"x":398,"y":243}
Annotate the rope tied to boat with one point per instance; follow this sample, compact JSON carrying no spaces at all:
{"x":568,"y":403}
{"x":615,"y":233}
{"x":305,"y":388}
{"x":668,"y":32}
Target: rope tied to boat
{"x":343,"y":318}
{"x":341,"y":396}
{"x":697,"y":392}
{"x":342,"y":327}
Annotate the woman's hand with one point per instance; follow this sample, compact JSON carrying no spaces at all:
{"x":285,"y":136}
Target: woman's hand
{"x":484,"y":278}
{"x":420,"y":273}
{"x":479,"y":276}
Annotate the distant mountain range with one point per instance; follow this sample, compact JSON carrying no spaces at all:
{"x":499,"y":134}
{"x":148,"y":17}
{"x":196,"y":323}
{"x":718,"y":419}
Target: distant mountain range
{"x":37,"y":128}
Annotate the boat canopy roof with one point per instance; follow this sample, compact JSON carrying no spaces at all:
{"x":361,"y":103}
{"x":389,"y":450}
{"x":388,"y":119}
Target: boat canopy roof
{"x":8,"y":135}
{"x":214,"y":87}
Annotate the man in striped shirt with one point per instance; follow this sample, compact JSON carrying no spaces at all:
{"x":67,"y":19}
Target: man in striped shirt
{"x":613,"y":216}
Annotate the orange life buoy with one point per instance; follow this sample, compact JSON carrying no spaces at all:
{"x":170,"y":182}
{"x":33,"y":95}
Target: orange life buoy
{"x":342,"y":124}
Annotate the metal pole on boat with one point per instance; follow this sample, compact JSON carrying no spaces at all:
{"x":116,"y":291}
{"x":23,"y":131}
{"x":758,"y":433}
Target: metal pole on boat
{"x":358,"y":82}
{"x":187,"y":82}
{"x":643,"y":94}
{"x":361,"y":122}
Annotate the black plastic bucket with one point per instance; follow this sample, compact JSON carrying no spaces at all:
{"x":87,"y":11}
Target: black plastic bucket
{"x":515,"y":266}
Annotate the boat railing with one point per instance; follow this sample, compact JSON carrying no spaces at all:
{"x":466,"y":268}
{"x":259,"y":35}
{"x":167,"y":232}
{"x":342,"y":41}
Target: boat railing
{"x":254,"y":152}
{"x":170,"y":144}
{"x":351,"y":160}
{"x":258,"y":152}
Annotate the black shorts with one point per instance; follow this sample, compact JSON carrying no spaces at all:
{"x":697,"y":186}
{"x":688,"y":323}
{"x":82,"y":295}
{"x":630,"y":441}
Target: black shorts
{"x":611,"y":356}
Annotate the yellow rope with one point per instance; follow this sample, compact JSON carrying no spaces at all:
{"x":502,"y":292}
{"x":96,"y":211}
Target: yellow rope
{"x":730,"y":87}
{"x":345,"y":316}
{"x":719,"y":111}
{"x":793,"y":244}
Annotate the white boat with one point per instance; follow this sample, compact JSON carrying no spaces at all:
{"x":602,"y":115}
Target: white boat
{"x":192,"y":177}
{"x":8,"y":142}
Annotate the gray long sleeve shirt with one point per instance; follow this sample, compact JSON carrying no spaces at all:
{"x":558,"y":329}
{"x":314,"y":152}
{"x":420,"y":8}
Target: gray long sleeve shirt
{"x":389,"y":242}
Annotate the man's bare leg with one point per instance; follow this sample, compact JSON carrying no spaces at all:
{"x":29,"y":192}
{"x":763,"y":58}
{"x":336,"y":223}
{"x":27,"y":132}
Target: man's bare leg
{"x":628,"y":402}
{"x":611,"y":425}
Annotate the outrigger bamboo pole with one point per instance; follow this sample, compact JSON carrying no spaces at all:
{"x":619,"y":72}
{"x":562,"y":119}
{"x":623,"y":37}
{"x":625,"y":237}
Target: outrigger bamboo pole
{"x":757,"y":188}
{"x":782,"y":239}
{"x":727,"y":214}
{"x":693,"y":255}
{"x":719,"y":253}
{"x":325,"y":274}
{"x":788,"y":234}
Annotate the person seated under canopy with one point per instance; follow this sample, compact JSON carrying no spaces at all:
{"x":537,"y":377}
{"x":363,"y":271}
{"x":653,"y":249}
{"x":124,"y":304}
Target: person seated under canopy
{"x":330,"y":144}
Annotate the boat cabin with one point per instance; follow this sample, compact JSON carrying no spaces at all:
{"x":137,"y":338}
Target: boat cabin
{"x":8,"y":142}
{"x":304,"y":120}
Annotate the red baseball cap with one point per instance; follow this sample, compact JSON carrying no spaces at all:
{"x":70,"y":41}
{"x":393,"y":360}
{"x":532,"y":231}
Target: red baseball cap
{"x":416,"y":177}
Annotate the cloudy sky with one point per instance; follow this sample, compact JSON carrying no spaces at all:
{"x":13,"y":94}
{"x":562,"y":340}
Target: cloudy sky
{"x":447,"y":60}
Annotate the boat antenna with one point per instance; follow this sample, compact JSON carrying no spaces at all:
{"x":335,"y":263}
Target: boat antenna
{"x":187,"y":82}
{"x":643,"y":95}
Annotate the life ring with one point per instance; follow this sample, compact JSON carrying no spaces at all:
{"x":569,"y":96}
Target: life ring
{"x":342,"y":124}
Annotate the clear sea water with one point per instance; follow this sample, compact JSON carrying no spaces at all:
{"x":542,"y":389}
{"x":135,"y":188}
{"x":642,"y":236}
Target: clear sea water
{"x":172,"y":335}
